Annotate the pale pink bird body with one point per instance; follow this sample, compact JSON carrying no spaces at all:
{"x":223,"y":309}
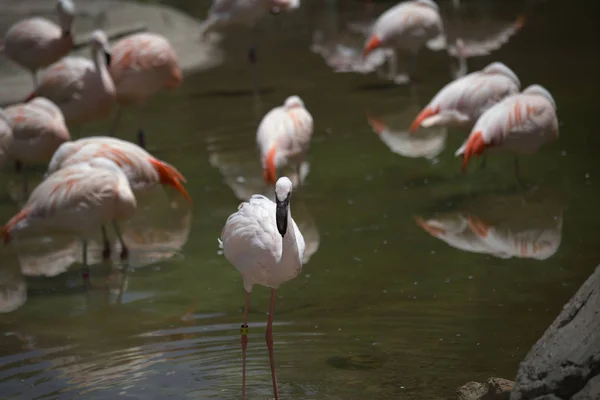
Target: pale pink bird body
{"x":520,"y":123}
{"x":6,"y":137}
{"x":142,"y":169}
{"x":406,"y":26}
{"x":82,"y":88}
{"x":464,"y":100}
{"x":242,"y":12}
{"x":75,"y":200}
{"x":283,"y":136}
{"x":36,"y":43}
{"x":141,"y":65}
{"x":38,"y":129}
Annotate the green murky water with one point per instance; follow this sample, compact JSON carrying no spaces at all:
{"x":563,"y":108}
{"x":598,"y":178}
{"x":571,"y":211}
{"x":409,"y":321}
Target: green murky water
{"x":382,"y":309}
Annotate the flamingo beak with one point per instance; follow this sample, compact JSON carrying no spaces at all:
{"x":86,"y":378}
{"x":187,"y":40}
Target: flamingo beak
{"x":281,"y":214}
{"x":372,"y":44}
{"x":475,"y":146}
{"x":423,"y":115}
{"x":108,"y":57}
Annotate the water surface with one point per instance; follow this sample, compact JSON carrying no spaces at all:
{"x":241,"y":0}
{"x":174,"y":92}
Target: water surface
{"x":384,"y":309}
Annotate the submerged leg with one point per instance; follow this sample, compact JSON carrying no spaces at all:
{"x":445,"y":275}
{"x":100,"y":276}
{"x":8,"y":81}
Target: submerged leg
{"x":244,"y":332}
{"x":269,"y":338}
{"x":113,"y":127}
{"x":124,"y":249}
{"x":106,"y":244}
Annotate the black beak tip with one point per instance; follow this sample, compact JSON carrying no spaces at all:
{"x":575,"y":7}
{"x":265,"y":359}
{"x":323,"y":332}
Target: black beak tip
{"x":108,"y":57}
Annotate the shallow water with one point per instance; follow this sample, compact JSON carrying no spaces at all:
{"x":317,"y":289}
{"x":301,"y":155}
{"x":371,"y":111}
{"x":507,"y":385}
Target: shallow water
{"x":382,"y":309}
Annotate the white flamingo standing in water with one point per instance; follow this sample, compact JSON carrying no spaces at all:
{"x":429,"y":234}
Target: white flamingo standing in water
{"x":141,"y":169}
{"x":36,"y":43}
{"x":82,"y":88}
{"x":224,"y":13}
{"x":283,"y":137}
{"x":76,"y":199}
{"x":464,"y":100}
{"x":520,"y":123}
{"x":38,"y":129}
{"x":264,"y":243}
{"x":140,"y":66}
{"x":406,"y":26}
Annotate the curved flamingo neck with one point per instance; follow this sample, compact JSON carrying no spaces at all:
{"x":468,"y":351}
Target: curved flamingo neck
{"x":290,"y":254}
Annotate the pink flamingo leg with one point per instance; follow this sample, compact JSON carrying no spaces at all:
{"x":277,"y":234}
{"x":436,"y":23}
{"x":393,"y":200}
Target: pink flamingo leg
{"x":269,"y":338}
{"x":244,"y":331}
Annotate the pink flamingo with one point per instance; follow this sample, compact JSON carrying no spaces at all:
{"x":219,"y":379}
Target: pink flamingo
{"x":263,"y":242}
{"x":520,"y":123}
{"x":464,"y":100}
{"x":406,"y":26}
{"x":283,"y":137}
{"x":37,"y":130}
{"x":76,"y":200}
{"x":36,"y":43}
{"x":141,"y":65}
{"x":141,"y":169}
{"x":81,"y":88}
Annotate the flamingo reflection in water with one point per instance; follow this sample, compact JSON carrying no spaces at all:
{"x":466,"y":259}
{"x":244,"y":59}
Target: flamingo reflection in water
{"x":264,"y":243}
{"x":13,"y":289}
{"x":393,"y":131}
{"x":515,"y":227}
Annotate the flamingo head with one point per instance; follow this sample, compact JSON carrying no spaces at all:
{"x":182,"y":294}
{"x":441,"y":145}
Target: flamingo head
{"x":283,"y":193}
{"x":293,"y":102}
{"x":66,"y":13}
{"x":100,"y":43}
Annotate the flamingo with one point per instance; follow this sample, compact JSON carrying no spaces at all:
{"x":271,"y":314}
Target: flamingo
{"x":464,"y":100}
{"x":520,"y":123}
{"x":406,"y":26}
{"x":283,"y":137}
{"x":6,"y":137}
{"x":141,"y":169}
{"x":76,"y":200}
{"x":251,"y":242}
{"x":141,"y":65}
{"x":224,"y":13}
{"x":38,"y":129}
{"x":81,"y":88}
{"x":36,"y":43}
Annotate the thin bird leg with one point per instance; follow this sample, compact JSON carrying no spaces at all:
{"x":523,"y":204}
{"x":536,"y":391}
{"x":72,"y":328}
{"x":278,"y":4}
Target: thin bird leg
{"x":124,"y":250}
{"x":255,"y":75}
{"x":113,"y":127}
{"x":483,"y":162}
{"x":34,"y":78}
{"x":269,"y":338}
{"x":85,"y":269}
{"x":244,"y":332}
{"x":106,"y":244}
